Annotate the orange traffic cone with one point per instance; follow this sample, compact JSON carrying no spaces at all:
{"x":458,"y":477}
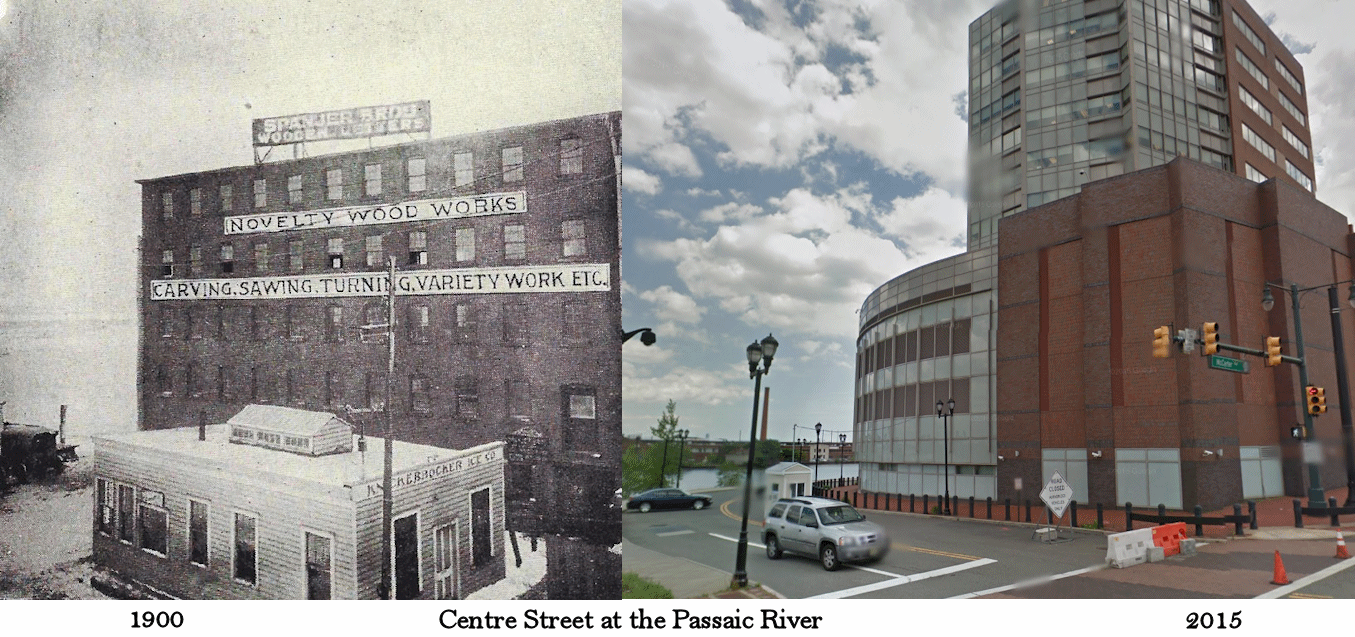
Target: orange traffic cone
{"x":1280,"y":577}
{"x":1341,"y":552}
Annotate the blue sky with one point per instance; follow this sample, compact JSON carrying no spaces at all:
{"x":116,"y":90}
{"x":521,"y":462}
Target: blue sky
{"x":785,"y":158}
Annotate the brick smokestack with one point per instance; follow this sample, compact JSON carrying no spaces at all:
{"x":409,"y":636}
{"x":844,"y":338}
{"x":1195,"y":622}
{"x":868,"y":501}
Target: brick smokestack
{"x":766,"y":407}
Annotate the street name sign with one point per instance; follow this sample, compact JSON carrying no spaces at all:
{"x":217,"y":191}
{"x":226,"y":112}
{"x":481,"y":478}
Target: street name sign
{"x":1056,"y":495}
{"x":1229,"y":364}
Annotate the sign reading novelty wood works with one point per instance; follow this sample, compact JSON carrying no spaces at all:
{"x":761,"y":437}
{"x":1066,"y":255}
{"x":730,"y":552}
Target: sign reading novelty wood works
{"x":501,"y":203}
{"x":574,"y":277}
{"x":348,"y":123}
{"x":372,"y":489}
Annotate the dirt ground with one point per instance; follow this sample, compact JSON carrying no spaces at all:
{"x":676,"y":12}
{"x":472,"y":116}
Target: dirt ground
{"x":45,"y":537}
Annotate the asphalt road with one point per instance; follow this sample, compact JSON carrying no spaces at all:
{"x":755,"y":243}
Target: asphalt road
{"x":934,"y":557}
{"x":931,"y":557}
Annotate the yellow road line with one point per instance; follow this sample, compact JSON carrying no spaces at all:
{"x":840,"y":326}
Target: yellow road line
{"x":958,"y":556}
{"x":1307,"y":596}
{"x":724,"y":508}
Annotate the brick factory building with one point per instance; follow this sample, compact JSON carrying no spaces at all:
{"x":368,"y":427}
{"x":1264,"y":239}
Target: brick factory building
{"x":1083,"y":283}
{"x":257,"y":282}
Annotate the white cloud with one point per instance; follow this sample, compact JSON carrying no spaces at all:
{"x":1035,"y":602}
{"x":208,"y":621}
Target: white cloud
{"x":803,"y":267}
{"x":683,"y":384}
{"x":673,"y":305}
{"x":637,"y":180}
{"x":770,"y":99}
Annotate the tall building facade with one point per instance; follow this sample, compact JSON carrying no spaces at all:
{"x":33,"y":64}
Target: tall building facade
{"x":267,"y":284}
{"x":1061,"y":93}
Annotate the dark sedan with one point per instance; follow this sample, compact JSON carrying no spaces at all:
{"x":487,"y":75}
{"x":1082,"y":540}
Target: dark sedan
{"x":667,"y":499}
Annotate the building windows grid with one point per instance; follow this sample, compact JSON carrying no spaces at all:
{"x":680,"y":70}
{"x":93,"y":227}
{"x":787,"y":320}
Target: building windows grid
{"x":1298,"y":175}
{"x":1252,"y":69}
{"x":1252,"y":103}
{"x":1248,"y":33}
{"x":1259,"y":144}
{"x":1290,"y":106}
{"x":1254,"y":174}
{"x":1288,"y":76}
{"x":1294,"y":141}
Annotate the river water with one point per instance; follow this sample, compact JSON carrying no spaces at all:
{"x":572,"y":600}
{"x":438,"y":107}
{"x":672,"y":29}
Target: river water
{"x":702,"y":479}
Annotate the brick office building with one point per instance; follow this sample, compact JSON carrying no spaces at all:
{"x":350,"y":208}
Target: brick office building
{"x":257,"y":279}
{"x":1084,"y":281}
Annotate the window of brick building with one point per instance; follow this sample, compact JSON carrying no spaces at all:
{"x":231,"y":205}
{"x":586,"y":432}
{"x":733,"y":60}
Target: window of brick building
{"x":195,"y":201}
{"x":167,"y":263}
{"x":227,"y":197}
{"x":463,"y":168}
{"x":334,"y":184}
{"x":418,"y":179}
{"x":336,"y":253}
{"x":467,"y":397}
{"x":571,"y":156}
{"x":296,"y":255}
{"x":261,"y":258}
{"x":167,"y":205}
{"x":294,"y":192}
{"x":227,"y":258}
{"x":465,"y":244}
{"x":418,"y":248}
{"x":512,"y":164}
{"x":375,"y":254}
{"x":260,"y":193}
{"x":574,"y":240}
{"x":514,"y":242}
{"x":371,"y":182}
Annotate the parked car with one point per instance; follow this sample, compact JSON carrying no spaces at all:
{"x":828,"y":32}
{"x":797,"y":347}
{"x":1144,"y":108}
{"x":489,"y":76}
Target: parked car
{"x":667,"y":499}
{"x":28,"y":451}
{"x":829,"y":530}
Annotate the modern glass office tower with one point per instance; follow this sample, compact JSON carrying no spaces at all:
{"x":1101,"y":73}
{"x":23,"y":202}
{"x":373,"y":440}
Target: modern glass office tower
{"x":1061,"y":93}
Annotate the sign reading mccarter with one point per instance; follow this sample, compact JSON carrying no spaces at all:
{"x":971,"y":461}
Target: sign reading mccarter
{"x":501,"y":203}
{"x":580,"y":277}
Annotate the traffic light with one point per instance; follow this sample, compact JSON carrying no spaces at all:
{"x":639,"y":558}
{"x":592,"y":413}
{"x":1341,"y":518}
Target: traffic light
{"x":1272,"y":351}
{"x":1211,"y":338}
{"x":1296,"y":432}
{"x":1317,"y":400}
{"x":1162,"y":342}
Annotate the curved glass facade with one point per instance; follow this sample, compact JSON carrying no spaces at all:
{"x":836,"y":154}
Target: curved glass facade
{"x":926,"y":336}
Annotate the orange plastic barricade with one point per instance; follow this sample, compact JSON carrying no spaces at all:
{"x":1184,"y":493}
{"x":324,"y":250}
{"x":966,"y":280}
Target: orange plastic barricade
{"x":1169,"y":536}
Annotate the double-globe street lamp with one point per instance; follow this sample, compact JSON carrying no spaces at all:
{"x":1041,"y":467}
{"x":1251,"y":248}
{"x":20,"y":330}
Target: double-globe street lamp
{"x":1316,"y":494}
{"x":944,"y":411}
{"x":763,"y":353}
{"x":682,"y":446}
{"x":841,"y":445}
{"x":818,"y":427}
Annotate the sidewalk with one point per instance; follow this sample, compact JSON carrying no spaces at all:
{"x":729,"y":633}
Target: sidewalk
{"x":1274,"y":516}
{"x":685,"y":578}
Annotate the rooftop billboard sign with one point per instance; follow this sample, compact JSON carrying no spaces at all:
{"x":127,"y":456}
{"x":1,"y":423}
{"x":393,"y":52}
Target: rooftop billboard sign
{"x":348,"y":123}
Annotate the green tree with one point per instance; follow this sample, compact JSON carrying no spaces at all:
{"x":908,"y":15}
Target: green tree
{"x":765,"y":454}
{"x":655,"y":466}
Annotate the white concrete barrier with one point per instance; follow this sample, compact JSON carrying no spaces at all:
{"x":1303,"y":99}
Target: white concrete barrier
{"x":1129,"y":548}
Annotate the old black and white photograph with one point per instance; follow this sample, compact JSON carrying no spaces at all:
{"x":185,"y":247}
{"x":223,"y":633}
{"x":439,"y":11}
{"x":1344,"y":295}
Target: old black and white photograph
{"x":311,"y":300}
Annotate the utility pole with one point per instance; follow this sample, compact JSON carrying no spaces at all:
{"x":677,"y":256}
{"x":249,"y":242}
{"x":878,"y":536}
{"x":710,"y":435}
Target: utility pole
{"x":387,"y":501}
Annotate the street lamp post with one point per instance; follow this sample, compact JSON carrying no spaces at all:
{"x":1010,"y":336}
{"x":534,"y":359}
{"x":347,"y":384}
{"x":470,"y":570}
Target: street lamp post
{"x":841,"y":471}
{"x":756,"y":352}
{"x":1343,"y":389}
{"x":663,"y":466}
{"x":1316,"y":494}
{"x":818,"y":427}
{"x":682,"y":446}
{"x":944,"y":411}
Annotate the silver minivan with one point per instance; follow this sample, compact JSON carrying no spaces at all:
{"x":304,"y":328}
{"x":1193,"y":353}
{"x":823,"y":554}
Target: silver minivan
{"x":830,"y":530}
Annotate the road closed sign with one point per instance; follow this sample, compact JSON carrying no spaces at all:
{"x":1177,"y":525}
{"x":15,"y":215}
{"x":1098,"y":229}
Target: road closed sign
{"x":1056,"y":495}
